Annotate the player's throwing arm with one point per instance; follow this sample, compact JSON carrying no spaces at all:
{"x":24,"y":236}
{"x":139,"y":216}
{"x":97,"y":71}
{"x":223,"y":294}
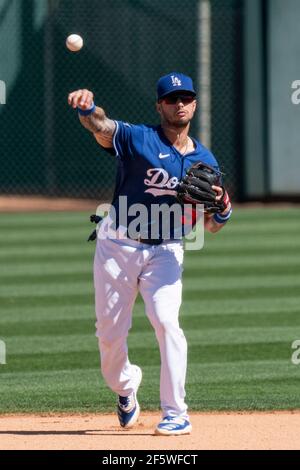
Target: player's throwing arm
{"x":92,"y":117}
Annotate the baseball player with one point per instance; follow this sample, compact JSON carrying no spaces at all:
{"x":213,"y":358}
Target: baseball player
{"x":151,"y":161}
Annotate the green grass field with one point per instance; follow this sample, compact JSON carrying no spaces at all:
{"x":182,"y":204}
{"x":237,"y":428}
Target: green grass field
{"x":241,"y":313}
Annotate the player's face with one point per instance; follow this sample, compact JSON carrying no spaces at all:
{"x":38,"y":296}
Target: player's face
{"x":177,"y":109}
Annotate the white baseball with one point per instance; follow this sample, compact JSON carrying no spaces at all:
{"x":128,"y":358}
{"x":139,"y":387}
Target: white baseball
{"x":74,"y":42}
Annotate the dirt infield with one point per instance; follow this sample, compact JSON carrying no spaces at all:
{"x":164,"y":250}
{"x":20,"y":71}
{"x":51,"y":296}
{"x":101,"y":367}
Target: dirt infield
{"x":43,"y":204}
{"x":278,"y":430}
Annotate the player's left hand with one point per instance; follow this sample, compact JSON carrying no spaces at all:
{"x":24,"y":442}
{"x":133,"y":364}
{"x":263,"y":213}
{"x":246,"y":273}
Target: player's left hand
{"x":219,"y":190}
{"x":222,"y":195}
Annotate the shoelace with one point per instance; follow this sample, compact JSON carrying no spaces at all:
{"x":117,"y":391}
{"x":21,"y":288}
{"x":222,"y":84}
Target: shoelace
{"x":174,"y":420}
{"x":126,"y":402}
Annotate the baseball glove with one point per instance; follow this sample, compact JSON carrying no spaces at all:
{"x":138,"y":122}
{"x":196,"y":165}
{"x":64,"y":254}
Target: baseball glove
{"x":196,"y":188}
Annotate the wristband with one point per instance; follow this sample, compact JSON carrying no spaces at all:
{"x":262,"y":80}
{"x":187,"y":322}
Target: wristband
{"x":87,"y":111}
{"x":221,"y":219}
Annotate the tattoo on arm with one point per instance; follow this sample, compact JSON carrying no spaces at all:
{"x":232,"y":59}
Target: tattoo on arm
{"x":98,"y":122}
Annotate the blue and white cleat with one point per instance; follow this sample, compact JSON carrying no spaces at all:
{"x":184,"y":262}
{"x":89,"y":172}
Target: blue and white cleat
{"x":128,"y":407}
{"x":173,"y":426}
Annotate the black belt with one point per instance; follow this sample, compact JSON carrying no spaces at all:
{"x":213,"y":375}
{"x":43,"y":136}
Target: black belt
{"x":149,"y":241}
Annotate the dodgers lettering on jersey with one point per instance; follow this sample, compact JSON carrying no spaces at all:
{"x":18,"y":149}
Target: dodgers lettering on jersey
{"x":150,"y":167}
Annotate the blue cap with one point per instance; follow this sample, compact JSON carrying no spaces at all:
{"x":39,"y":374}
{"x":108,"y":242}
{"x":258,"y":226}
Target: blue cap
{"x":173,"y":82}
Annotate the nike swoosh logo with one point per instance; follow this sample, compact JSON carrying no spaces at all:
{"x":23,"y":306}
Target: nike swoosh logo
{"x":162,"y":155}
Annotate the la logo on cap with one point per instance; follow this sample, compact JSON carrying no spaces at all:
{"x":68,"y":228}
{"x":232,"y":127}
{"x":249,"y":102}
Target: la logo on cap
{"x":175,"y":81}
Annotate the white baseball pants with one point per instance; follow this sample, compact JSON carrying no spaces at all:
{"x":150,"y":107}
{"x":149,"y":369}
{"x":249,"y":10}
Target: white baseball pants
{"x":122,"y":268}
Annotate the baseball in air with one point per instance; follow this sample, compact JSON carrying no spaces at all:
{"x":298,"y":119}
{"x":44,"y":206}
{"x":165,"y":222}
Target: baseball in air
{"x":74,"y":42}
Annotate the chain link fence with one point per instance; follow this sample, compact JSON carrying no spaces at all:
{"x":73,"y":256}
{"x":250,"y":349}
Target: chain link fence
{"x":227,"y":90}
{"x":129,"y":44}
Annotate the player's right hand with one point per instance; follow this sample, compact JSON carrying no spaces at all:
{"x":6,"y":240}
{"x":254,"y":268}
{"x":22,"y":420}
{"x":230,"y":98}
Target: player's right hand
{"x":82,"y":99}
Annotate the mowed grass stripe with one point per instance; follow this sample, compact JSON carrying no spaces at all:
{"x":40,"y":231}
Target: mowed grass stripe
{"x":50,"y":267}
{"x":85,"y":340}
{"x":231,"y":326}
{"x":72,"y":234}
{"x":35,"y":238}
{"x":54,"y":313}
{"x":229,"y":240}
{"x":82,"y":298}
{"x":30,"y":234}
{"x":54,"y":289}
{"x":264,"y":215}
{"x":45,"y":343}
{"x":227,"y":282}
{"x":207,"y":353}
{"x":52,"y":249}
{"x":243,"y":252}
{"x":45,"y":258}
{"x":193,"y":267}
{"x":205,"y":373}
{"x":206,"y":259}
{"x":190,"y":274}
{"x":225,"y":261}
{"x":32,"y":219}
{"x":48,"y":279}
{"x":46,"y":300}
{"x":38,"y":225}
{"x":268,"y":229}
{"x":46,"y":244}
{"x":210,"y":252}
{"x":242,"y":293}
{"x":221,"y":373}
{"x":141,"y":323}
{"x":206,"y":256}
{"x":218,"y":242}
{"x":62,"y":286}
{"x":271,"y":304}
{"x":239,"y":271}
{"x":242,"y":214}
{"x":212,"y":373}
{"x":47,"y":327}
{"x":198,"y":307}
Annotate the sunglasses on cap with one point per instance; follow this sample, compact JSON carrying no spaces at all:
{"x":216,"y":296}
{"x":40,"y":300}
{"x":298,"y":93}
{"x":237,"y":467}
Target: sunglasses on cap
{"x":172,"y":99}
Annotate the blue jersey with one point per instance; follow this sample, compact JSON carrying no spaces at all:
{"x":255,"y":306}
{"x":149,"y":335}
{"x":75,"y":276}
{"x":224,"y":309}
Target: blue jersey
{"x":150,"y":167}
